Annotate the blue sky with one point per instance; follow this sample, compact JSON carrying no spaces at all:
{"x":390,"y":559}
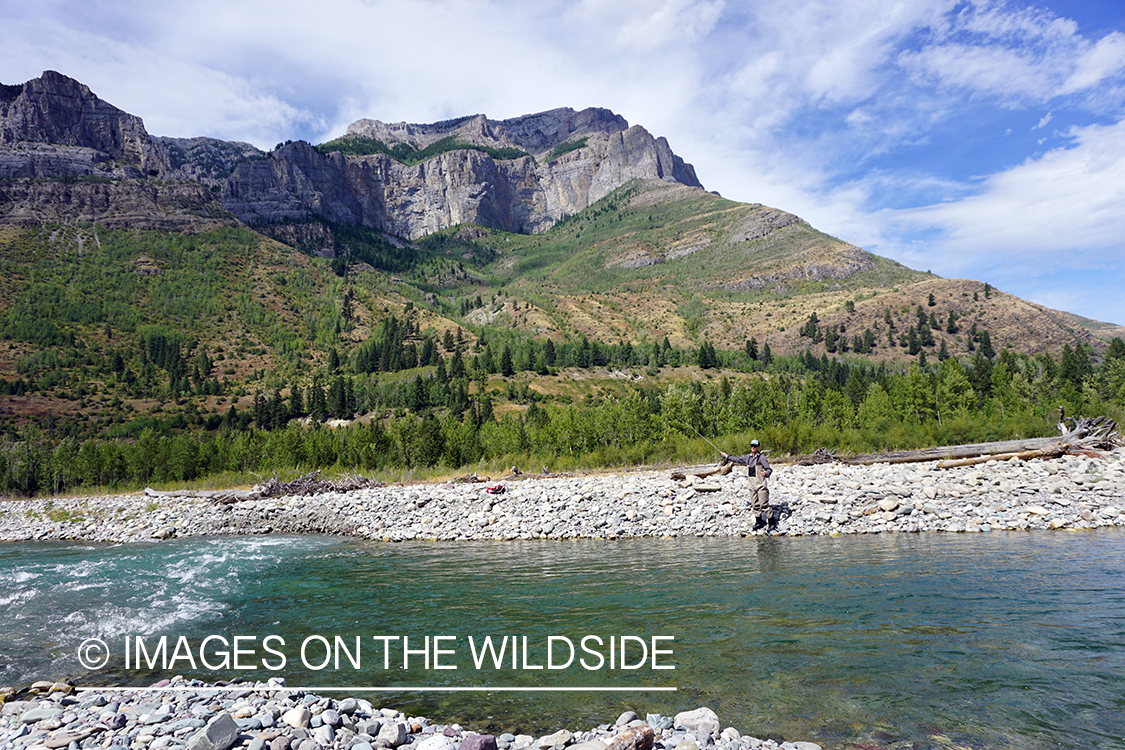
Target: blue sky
{"x":980,"y":140}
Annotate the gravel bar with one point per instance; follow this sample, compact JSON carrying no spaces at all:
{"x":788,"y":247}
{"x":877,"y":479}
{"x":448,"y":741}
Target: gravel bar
{"x":1071,"y":492}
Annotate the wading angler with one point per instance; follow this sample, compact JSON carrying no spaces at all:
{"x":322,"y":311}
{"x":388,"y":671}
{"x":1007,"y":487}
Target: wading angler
{"x":758,"y":470}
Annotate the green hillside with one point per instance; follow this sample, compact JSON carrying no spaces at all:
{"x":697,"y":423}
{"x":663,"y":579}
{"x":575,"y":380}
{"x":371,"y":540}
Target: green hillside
{"x":136,"y":356}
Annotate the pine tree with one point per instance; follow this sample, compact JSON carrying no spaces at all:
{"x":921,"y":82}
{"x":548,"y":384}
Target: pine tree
{"x":986,"y":344}
{"x":706,"y":357}
{"x":296,"y":402}
{"x":810,"y":328}
{"x":318,"y":404}
{"x":951,"y":323}
{"x":457,"y":365}
{"x":336,"y":406}
{"x":913,"y":344}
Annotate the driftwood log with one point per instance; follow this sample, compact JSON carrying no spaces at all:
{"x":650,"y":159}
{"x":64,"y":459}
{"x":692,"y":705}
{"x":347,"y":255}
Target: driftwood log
{"x":679,"y":475}
{"x":819,"y":456}
{"x":224,"y":497}
{"x":1058,"y":450}
{"x":1086,"y":433}
{"x":1081,"y":435}
{"x":305,"y":485}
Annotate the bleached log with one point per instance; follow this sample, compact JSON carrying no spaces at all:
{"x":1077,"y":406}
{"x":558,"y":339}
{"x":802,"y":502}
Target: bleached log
{"x":1022,"y":456}
{"x":1087,"y":433}
{"x":223,"y":496}
{"x":701,"y":471}
{"x":949,"y":452}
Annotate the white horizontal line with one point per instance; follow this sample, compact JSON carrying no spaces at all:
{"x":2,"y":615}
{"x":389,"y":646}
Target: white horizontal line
{"x":395,"y":689}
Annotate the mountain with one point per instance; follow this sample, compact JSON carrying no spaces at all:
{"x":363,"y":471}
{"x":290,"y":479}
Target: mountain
{"x":571,"y":223}
{"x":520,"y":175}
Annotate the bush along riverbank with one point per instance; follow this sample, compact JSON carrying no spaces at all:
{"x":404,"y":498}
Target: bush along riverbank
{"x":188,"y":715}
{"x":1070,"y":492}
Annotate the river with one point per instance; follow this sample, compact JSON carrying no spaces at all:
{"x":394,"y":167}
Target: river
{"x":990,"y":640}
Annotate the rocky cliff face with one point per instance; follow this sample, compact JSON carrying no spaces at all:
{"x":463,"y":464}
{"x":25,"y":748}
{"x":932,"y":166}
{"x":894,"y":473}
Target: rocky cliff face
{"x":66,"y":155}
{"x":533,"y":133}
{"x":60,"y":110}
{"x":118,"y":204}
{"x":525,"y":195}
{"x":55,"y":127}
{"x":206,"y":160}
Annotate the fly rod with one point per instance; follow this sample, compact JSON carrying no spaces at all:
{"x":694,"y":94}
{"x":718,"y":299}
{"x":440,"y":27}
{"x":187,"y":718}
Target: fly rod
{"x":697,"y":432}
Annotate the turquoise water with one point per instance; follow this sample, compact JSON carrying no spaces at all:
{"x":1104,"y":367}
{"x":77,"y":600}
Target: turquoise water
{"x":987,"y":640}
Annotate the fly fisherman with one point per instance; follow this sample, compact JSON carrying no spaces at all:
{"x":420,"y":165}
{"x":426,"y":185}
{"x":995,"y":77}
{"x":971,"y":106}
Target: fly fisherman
{"x":758,"y":470}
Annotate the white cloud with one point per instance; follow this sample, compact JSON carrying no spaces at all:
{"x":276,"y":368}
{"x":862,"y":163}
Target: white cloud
{"x":646,"y":25}
{"x":173,"y":96}
{"x":833,"y":109}
{"x":1063,"y":208}
{"x":987,"y":69}
{"x":1104,"y":60}
{"x":1014,"y":54}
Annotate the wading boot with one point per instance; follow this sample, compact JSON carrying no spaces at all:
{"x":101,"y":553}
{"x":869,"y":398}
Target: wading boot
{"x":760,"y":521}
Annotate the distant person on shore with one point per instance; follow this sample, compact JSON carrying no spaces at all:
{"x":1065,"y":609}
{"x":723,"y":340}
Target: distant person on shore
{"x":758,"y":471}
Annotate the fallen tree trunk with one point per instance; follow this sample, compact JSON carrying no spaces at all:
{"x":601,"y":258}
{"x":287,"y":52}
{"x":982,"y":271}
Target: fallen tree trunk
{"x":949,"y":452}
{"x":1055,"y":452}
{"x":1084,"y":434}
{"x":220,"y":496}
{"x":678,"y":475}
{"x":1087,"y":433}
{"x":305,"y":485}
{"x":819,"y":456}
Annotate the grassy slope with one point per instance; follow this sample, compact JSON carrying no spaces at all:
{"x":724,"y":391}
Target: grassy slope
{"x":588,"y":276}
{"x":267,"y":315}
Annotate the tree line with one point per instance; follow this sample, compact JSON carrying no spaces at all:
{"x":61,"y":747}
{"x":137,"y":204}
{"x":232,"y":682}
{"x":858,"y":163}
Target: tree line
{"x":797,"y":405}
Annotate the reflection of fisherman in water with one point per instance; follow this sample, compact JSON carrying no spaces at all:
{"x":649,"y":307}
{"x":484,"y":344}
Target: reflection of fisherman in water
{"x":758,"y":471}
{"x":768,"y":553}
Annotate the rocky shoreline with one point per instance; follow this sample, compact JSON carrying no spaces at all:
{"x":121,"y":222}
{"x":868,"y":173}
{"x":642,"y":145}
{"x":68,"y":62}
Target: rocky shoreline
{"x":179,"y":714}
{"x":1071,"y":492}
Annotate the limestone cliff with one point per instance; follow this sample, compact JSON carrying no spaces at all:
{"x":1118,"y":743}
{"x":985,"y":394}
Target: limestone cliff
{"x":59,"y":110}
{"x":118,"y":204}
{"x":209,"y":161}
{"x":526,"y":195}
{"x":535,"y":133}
{"x":54,"y":127}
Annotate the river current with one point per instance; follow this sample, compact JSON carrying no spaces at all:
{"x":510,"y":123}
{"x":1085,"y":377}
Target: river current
{"x":990,"y":640}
